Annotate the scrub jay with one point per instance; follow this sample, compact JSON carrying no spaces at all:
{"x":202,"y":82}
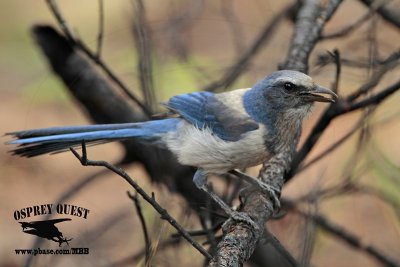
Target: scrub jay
{"x":216,"y":133}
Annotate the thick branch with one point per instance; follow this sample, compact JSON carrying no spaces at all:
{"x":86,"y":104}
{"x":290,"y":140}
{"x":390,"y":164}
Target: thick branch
{"x":309,"y":24}
{"x":103,"y":105}
{"x":240,"y":239}
{"x":83,"y":47}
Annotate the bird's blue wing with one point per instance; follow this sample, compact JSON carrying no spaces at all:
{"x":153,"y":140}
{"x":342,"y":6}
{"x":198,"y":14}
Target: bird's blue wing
{"x":204,"y":110}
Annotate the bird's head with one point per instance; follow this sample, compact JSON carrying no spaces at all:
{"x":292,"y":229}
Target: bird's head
{"x":283,"y":95}
{"x":293,"y":90}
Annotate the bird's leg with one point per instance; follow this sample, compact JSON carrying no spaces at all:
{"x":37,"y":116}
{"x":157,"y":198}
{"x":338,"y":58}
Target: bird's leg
{"x":272,"y":191}
{"x":200,"y":179}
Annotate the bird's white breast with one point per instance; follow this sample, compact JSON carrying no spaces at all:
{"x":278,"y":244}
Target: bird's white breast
{"x":200,"y":148}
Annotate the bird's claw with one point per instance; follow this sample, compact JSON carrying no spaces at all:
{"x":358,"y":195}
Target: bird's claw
{"x":272,"y":192}
{"x":236,"y":216}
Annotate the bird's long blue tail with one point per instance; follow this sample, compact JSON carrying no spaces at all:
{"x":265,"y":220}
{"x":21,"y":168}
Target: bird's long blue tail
{"x":52,"y":140}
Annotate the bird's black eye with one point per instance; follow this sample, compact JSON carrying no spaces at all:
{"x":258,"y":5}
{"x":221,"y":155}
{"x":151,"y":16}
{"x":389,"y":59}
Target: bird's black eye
{"x":289,"y":86}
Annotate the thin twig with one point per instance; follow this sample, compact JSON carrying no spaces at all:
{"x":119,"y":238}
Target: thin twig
{"x":228,"y":12}
{"x":174,"y":28}
{"x":375,"y":99}
{"x":389,"y":63}
{"x":85,"y":49}
{"x":143,"y":45}
{"x":238,"y":183}
{"x":151,"y":200}
{"x":338,"y":64}
{"x":202,"y":232}
{"x":309,"y":232}
{"x":147,"y":241}
{"x":351,"y":239}
{"x":356,"y":24}
{"x":135,"y":257}
{"x":209,"y":230}
{"x":100,"y":34}
{"x":325,"y":59}
{"x":343,"y":234}
{"x":390,"y":13}
{"x":345,"y":106}
{"x":242,"y":63}
{"x":270,"y":238}
{"x":336,"y":144}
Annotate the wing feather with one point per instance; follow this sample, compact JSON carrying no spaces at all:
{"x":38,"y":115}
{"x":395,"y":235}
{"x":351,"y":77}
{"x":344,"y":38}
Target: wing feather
{"x":204,"y":109}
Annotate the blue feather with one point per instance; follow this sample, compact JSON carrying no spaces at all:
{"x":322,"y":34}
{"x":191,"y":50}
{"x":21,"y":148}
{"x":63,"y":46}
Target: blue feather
{"x":41,"y":141}
{"x":204,"y":110}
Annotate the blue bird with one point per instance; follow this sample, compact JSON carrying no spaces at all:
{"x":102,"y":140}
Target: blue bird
{"x":216,"y":133}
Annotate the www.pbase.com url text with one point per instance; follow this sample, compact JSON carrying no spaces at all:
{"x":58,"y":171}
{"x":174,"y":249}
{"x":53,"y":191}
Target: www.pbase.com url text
{"x":38,"y":251}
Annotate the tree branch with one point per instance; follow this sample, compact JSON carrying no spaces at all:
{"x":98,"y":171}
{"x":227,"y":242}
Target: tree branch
{"x":103,"y":105}
{"x":390,"y":14}
{"x":150,"y":199}
{"x":142,"y":38}
{"x":351,"y":239}
{"x":240,"y":239}
{"x":81,"y":46}
{"x":242,"y":63}
{"x":356,"y":24}
{"x":100,"y":34}
{"x":309,"y":24}
{"x":146,"y":235}
{"x":345,"y":106}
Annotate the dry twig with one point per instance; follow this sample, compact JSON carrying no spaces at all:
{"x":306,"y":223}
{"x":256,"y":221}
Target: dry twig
{"x":151,"y":200}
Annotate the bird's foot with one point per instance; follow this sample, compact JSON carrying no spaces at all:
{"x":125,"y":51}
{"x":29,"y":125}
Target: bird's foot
{"x":272,"y":191}
{"x":200,"y":180}
{"x":237,"y":216}
{"x":234,"y":216}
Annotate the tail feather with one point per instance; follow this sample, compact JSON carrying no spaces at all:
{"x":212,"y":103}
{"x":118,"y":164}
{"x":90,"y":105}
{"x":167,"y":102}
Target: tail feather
{"x":54,"y":140}
{"x":72,"y":129}
{"x":40,"y":149}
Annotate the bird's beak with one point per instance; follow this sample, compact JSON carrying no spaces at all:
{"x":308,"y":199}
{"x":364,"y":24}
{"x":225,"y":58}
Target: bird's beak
{"x":314,"y":95}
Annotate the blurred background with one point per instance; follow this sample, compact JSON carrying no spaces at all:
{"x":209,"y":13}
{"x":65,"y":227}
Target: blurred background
{"x":193,"y":43}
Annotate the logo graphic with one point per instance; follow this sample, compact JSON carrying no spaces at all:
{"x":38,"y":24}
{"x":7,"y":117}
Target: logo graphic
{"x":36,"y":220}
{"x":46,"y":229}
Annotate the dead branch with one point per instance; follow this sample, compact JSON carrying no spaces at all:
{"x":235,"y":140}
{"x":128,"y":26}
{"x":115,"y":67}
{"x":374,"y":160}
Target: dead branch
{"x":358,"y":23}
{"x":142,"y":39}
{"x":310,"y":22}
{"x":150,"y":199}
{"x":239,"y":240}
{"x":100,"y":34}
{"x":242,"y":63}
{"x":345,"y":106}
{"x":390,"y":13}
{"x":76,"y":42}
{"x":88,"y":88}
{"x":351,"y":239}
{"x":146,"y":235}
